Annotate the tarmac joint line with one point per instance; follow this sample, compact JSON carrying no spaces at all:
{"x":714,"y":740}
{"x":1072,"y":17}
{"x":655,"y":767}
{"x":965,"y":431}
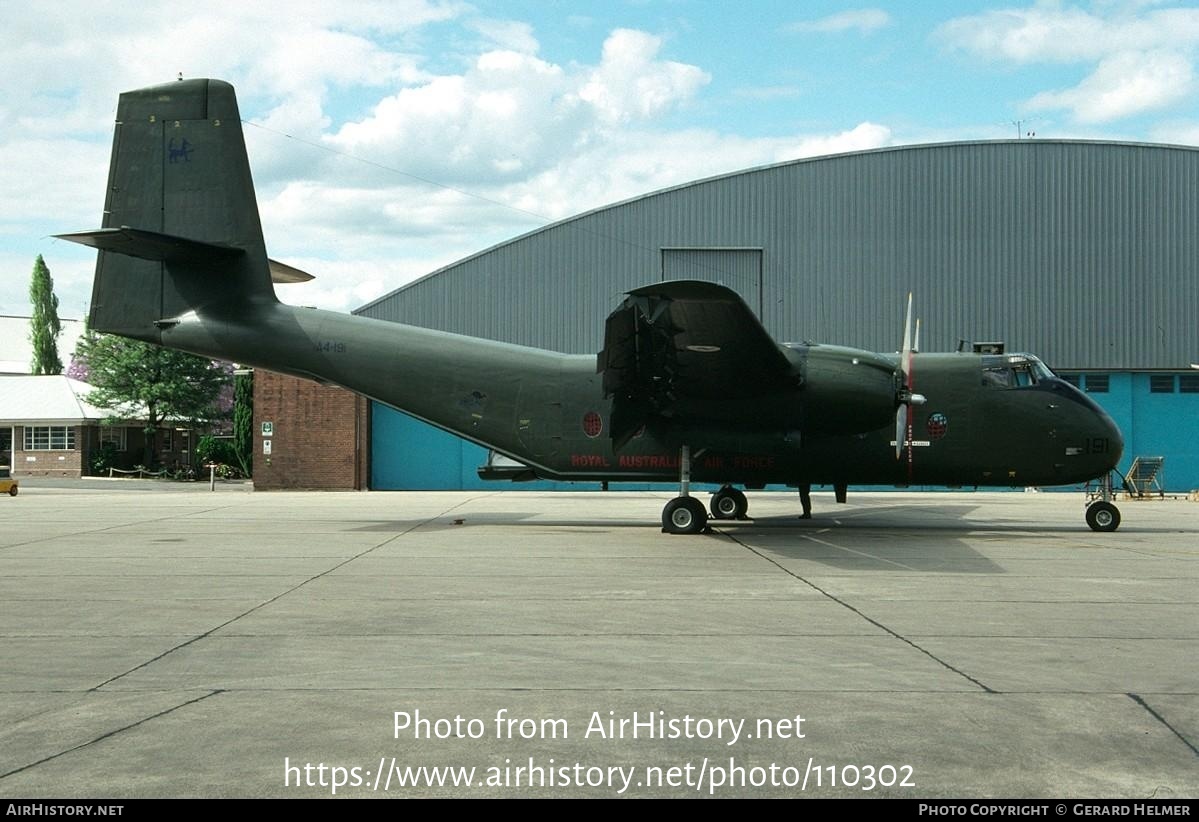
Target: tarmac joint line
{"x":1141,"y":701}
{"x":871,"y":620}
{"x":112,"y":733}
{"x":275,"y":598}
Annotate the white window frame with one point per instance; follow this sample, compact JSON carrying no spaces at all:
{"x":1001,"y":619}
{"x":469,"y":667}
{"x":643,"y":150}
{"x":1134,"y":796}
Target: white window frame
{"x":54,"y":438}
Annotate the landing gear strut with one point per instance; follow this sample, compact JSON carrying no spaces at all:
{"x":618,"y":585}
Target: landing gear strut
{"x":1102,"y":515}
{"x":684,"y":514}
{"x":728,"y":503}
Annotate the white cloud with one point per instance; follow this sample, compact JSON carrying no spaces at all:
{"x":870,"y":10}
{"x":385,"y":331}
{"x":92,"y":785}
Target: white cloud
{"x":343,"y":198}
{"x":632,"y":163}
{"x":860,"y":138}
{"x":1124,"y":84}
{"x":507,"y":115}
{"x":1142,"y":59}
{"x":1048,"y":32}
{"x":94,"y":50}
{"x":341,"y":285}
{"x":1042,"y":33}
{"x":1182,"y":133}
{"x":509,"y":35}
{"x":511,"y":114}
{"x":861,"y":20}
{"x":631,"y":83}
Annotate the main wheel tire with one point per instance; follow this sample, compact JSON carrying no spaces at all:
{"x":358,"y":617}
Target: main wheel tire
{"x":725,"y":505}
{"x":1103,"y":516}
{"x":742,"y":504}
{"x":12,"y":490}
{"x":684,"y":515}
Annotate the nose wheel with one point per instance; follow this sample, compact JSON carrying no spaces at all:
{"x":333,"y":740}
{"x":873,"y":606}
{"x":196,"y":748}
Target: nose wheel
{"x":1102,"y":514}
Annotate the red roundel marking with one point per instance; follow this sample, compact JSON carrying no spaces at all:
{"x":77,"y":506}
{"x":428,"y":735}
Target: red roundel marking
{"x":938,"y":425}
{"x":593,"y":424}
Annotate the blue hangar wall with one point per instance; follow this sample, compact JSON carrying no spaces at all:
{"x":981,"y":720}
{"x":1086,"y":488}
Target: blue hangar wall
{"x":1082,"y":252}
{"x":1158,"y":413}
{"x":409,"y":455}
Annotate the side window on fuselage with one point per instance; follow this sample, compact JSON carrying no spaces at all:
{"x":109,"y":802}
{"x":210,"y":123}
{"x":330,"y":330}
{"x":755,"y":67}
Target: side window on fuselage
{"x":997,"y":377}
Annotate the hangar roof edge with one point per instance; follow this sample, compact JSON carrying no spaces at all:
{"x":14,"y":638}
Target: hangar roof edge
{"x":762,"y":168}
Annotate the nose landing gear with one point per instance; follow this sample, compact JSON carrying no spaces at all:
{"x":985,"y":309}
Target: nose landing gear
{"x":1102,"y":514}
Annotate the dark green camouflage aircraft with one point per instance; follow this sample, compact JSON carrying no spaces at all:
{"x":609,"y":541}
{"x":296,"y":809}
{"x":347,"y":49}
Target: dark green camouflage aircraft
{"x":688,"y":386}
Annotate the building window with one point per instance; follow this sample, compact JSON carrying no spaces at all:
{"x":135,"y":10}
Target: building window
{"x":1188,"y":383}
{"x":1097,"y":383}
{"x":49,"y":438}
{"x":1073,"y":379}
{"x":1161,"y":383}
{"x":168,"y":440}
{"x":113,"y":437}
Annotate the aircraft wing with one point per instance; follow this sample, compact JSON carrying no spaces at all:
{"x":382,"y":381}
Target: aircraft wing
{"x":683,"y":341}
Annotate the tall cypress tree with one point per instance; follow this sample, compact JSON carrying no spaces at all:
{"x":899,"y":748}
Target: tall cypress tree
{"x":243,"y":420}
{"x":44,"y":324}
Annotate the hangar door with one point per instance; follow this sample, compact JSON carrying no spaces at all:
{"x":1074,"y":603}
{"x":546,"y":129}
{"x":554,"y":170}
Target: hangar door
{"x":737,"y":268}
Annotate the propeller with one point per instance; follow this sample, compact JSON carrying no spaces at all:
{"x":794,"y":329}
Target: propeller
{"x":905,"y":398}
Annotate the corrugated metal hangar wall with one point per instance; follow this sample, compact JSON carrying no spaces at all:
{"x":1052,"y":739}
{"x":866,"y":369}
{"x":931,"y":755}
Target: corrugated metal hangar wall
{"x":1086,"y":253}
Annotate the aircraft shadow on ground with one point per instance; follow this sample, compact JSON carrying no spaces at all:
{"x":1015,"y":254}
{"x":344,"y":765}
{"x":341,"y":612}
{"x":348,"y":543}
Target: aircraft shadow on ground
{"x":904,"y":518}
{"x":866,"y":538}
{"x":875,"y":540}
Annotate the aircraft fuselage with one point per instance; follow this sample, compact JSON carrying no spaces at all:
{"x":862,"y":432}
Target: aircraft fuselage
{"x":548,"y":410}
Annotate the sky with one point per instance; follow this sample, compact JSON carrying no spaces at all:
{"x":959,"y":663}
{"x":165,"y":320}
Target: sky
{"x":388,"y":139}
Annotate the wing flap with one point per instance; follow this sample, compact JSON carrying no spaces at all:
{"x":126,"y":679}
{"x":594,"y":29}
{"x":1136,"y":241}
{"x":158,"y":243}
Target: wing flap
{"x":685,"y":341}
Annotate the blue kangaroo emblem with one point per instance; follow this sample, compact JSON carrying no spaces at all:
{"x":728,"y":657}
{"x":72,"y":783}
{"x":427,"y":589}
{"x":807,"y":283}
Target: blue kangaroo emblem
{"x":181,"y":153}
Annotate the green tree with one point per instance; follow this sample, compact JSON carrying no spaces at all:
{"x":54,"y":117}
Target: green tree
{"x":138,"y":380}
{"x":243,"y":420}
{"x":44,"y":324}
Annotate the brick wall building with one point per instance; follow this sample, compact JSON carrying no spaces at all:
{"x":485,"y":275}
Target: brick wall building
{"x":318,"y":435}
{"x":49,"y":429}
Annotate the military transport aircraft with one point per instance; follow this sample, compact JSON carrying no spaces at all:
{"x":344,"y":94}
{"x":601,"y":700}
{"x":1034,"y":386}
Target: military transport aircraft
{"x":688,"y":386}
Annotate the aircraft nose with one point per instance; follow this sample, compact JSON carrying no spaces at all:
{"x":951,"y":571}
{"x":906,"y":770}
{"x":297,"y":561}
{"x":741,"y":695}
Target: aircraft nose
{"x":1115,"y":440}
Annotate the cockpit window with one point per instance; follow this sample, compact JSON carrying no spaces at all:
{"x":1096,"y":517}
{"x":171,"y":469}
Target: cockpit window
{"x":1013,"y":371}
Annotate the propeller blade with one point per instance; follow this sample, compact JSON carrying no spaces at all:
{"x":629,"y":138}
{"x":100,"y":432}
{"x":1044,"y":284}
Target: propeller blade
{"x":901,"y":429}
{"x":916,"y":341}
{"x":906,"y":361}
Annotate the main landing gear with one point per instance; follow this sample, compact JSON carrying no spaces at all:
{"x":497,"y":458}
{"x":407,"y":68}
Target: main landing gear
{"x":728,"y":503}
{"x":1102,"y":515}
{"x":684,"y":514}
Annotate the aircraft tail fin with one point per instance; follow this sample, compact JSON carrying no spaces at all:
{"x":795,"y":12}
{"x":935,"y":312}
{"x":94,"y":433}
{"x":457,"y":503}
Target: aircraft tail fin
{"x":181,"y":230}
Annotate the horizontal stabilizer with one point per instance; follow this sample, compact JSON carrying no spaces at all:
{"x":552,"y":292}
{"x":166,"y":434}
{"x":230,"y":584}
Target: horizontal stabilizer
{"x":283,"y":273}
{"x":151,"y":245}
